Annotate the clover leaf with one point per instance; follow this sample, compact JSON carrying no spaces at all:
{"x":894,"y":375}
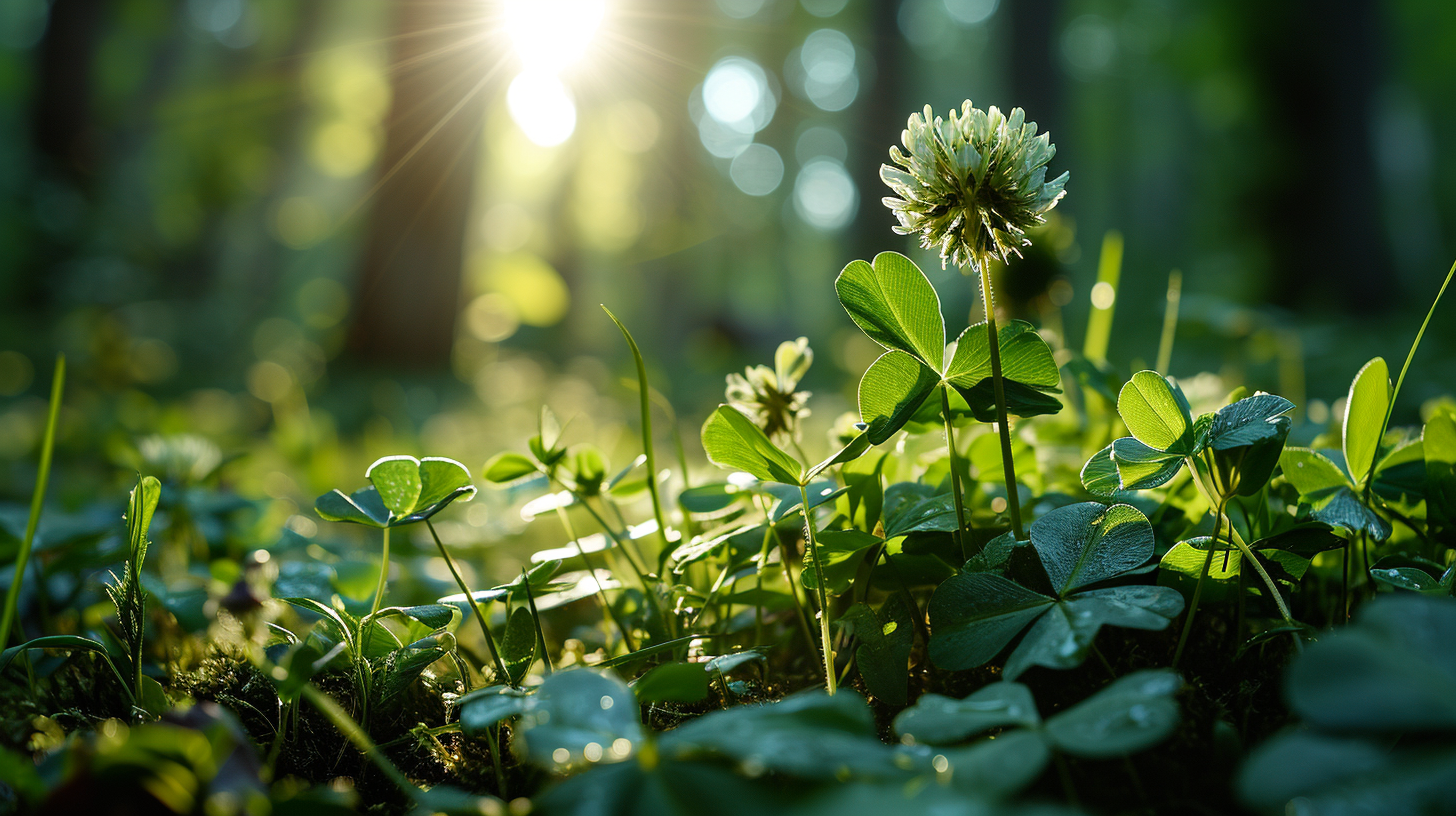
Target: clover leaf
{"x":1130,"y":714}
{"x":1378,"y":704}
{"x":895,"y":305}
{"x":1244,"y":439}
{"x":973,"y":616}
{"x":402,"y":490}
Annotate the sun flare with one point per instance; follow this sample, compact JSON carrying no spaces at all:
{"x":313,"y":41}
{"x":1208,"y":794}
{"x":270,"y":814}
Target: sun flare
{"x":549,"y":37}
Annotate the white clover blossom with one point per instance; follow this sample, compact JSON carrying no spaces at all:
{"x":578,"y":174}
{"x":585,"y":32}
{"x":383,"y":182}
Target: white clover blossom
{"x":971,"y":185}
{"x":768,"y":396}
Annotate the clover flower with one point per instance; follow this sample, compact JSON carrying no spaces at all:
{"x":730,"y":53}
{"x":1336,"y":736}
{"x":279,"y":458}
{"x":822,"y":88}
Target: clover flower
{"x":971,"y":185}
{"x":767,"y":396}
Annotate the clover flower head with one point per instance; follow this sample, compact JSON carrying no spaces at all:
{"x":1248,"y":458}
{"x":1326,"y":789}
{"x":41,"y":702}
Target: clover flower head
{"x":768,"y":396}
{"x":971,"y":185}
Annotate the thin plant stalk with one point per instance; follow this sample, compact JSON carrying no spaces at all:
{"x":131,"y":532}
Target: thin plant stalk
{"x":365,"y":637}
{"x":536,"y":619}
{"x":1248,"y":554}
{"x":1170,"y":321}
{"x":1415,"y":345}
{"x":1013,"y":502}
{"x":762,"y":564}
{"x":1345,"y":580}
{"x":495,"y":657}
{"x":825,"y":636}
{"x":799,"y":605}
{"x":596,"y":581}
{"x":644,"y":392}
{"x":1268,"y":582}
{"x":351,"y":730}
{"x":955,"y":476}
{"x":637,"y":568}
{"x":1198,"y":588}
{"x":37,"y":500}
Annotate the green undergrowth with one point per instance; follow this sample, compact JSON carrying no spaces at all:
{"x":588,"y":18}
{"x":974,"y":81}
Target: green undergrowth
{"x":1015,"y":580}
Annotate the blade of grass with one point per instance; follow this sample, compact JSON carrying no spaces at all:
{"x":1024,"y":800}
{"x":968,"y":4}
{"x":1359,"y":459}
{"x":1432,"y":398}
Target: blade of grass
{"x":500,"y":667}
{"x":1415,"y":345}
{"x":644,"y":393}
{"x":1170,"y":321}
{"x":37,"y":499}
{"x":1099,"y":322}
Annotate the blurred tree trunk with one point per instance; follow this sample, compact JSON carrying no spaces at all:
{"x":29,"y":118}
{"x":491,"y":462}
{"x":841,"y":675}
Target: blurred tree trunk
{"x":882,"y":118}
{"x":62,"y":127}
{"x":1319,"y":206}
{"x":408,"y":289}
{"x":1037,"y":77}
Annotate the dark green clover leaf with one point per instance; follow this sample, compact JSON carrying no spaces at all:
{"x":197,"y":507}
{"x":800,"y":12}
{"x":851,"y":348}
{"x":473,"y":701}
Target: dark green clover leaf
{"x":1378,"y":703}
{"x":973,"y":616}
{"x":518,"y":647}
{"x":841,"y":552}
{"x":675,"y":682}
{"x":809,"y":734}
{"x":1330,"y":493}
{"x":1414,"y":574}
{"x":1130,"y":714}
{"x":402,"y":490}
{"x":577,"y":717}
{"x":939,"y":720}
{"x":885,"y":641}
{"x":1247,"y":438}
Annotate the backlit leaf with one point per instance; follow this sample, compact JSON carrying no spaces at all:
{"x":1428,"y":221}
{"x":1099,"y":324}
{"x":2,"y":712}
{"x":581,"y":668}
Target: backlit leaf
{"x":894,"y":304}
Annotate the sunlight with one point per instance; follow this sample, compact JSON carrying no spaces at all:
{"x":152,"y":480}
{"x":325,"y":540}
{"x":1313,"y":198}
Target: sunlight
{"x":552,"y":35}
{"x":548,"y":37}
{"x":543,"y":108}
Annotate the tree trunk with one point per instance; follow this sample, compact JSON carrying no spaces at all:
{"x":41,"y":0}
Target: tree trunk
{"x":408,"y":290}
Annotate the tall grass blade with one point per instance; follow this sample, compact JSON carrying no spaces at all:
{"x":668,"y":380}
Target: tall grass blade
{"x":1170,"y":321}
{"x":1415,"y":345}
{"x":1104,"y":298}
{"x":37,"y":499}
{"x":644,"y":393}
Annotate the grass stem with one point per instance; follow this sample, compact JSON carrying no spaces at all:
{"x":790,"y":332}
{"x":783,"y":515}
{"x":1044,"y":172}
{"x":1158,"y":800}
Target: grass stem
{"x":826,"y":639}
{"x":37,"y":500}
{"x":1170,"y":321}
{"x":962,"y":531}
{"x":500,"y":666}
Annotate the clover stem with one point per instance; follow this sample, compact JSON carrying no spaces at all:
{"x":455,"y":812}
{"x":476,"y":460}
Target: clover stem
{"x":955,"y":474}
{"x":495,"y":657}
{"x":1268,"y":582}
{"x":1198,"y":588}
{"x":622,"y":546}
{"x":824,"y":633}
{"x":1013,"y":503}
{"x":1345,"y":581}
{"x":536,"y":619}
{"x":596,"y":578}
{"x":803,"y":614}
{"x":768,"y":530}
{"x":365,"y":636}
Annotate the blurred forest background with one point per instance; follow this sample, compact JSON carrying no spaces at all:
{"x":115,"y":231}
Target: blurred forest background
{"x":313,"y":233}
